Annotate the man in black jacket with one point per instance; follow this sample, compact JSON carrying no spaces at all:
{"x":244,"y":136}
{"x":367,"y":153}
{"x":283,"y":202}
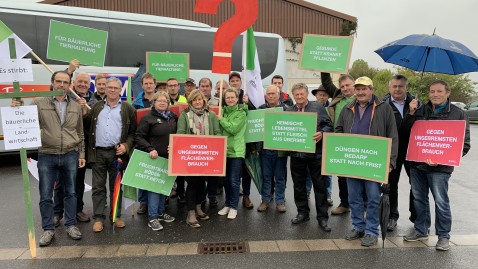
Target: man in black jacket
{"x":432,"y":177}
{"x":300,"y":162}
{"x":399,"y":99}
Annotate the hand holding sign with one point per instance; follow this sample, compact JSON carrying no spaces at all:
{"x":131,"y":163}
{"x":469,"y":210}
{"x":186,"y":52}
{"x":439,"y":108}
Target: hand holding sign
{"x":413,"y":106}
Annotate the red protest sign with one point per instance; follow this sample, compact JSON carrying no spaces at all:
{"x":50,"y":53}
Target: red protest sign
{"x":175,"y":110}
{"x":195,"y":155}
{"x":140,"y":114}
{"x":215,"y":109}
{"x":441,"y":141}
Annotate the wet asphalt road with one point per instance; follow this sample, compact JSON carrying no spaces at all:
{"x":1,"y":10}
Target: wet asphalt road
{"x":250,"y":225}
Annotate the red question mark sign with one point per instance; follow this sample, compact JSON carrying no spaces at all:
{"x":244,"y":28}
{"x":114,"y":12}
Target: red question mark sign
{"x":244,"y":17}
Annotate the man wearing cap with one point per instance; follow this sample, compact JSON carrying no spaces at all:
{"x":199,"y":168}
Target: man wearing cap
{"x":189,"y":86}
{"x":323,"y":99}
{"x":367,"y":115}
{"x":340,"y":97}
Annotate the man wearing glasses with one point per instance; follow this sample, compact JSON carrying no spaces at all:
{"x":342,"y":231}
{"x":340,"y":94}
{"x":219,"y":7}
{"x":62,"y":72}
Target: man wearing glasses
{"x":173,"y":90}
{"x":112,"y":125}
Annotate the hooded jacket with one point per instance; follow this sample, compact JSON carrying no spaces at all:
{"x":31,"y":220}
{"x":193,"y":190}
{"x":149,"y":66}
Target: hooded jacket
{"x":233,"y":125}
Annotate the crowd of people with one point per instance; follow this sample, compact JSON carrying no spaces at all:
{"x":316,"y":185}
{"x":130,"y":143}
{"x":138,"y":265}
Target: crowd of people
{"x":75,"y":137}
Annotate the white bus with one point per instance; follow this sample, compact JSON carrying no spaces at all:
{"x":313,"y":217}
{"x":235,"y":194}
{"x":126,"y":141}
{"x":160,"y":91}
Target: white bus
{"x":129,"y":37}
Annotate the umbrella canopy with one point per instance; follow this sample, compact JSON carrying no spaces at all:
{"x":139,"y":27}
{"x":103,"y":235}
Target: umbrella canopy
{"x":430,"y":53}
{"x":253,"y":165}
{"x":384,"y":211}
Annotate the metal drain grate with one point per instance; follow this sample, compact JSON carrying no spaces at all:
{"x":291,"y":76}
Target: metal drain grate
{"x":223,"y":248}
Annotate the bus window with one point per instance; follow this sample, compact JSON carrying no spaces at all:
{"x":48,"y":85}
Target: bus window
{"x":128,"y":43}
{"x":268,"y":49}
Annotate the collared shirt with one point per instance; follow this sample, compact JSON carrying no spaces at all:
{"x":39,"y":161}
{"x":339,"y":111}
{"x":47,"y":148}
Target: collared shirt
{"x":61,"y":107}
{"x":302,"y":109}
{"x":361,"y":109}
{"x":399,"y":106}
{"x":109,"y":125}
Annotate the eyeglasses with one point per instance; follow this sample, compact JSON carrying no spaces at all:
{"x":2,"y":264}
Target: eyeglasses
{"x":173,"y":86}
{"x":113,"y":88}
{"x":230,"y":98}
{"x":162,"y":101}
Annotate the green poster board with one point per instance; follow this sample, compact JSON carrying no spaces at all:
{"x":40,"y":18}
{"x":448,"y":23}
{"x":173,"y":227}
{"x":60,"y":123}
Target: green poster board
{"x":290,"y":131}
{"x":69,"y":41}
{"x":326,"y":53}
{"x":358,"y":156}
{"x":255,"y":124}
{"x":165,"y":65}
{"x":148,"y":174}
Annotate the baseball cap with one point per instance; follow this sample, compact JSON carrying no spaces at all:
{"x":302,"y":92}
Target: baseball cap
{"x":364,"y":81}
{"x":189,"y":80}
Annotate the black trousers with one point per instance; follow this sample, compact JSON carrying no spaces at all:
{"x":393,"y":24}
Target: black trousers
{"x":298,"y":169}
{"x":343,"y":192}
{"x":195,"y":191}
{"x":393,"y":179}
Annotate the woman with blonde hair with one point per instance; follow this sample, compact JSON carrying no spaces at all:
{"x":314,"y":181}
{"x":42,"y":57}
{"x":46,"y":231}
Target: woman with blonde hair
{"x":197,"y":120}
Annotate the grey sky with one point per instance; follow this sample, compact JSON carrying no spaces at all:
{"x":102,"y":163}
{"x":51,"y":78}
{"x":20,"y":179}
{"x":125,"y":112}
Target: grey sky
{"x":383,"y":21}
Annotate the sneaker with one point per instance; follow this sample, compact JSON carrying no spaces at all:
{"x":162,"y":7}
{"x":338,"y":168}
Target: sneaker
{"x":353,"y":235}
{"x":143,"y":208}
{"x":443,"y":244}
{"x":369,"y":240}
{"x":330,"y":202}
{"x":166,"y":217}
{"x":56,"y":220}
{"x":73,"y":232}
{"x":414,"y":236}
{"x":281,"y":208}
{"x":224,"y":211}
{"x":340,"y":210}
{"x":232,"y":213}
{"x":155,"y":225}
{"x":263,"y":207}
{"x":46,"y":238}
{"x":82,"y":217}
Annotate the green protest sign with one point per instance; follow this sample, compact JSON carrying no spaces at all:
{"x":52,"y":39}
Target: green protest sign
{"x":358,"y":156}
{"x":290,"y":131}
{"x":326,"y":53}
{"x":255,"y":124}
{"x":165,"y":65}
{"x":69,"y":41}
{"x":148,"y":174}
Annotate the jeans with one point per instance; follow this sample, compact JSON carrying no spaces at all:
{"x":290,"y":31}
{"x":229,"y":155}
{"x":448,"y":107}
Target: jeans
{"x":156,"y":204}
{"x":437,"y":184}
{"x":246,"y":181}
{"x":79,"y":190}
{"x":50,"y":168}
{"x":143,"y":196}
{"x":359,"y":190}
{"x":104,"y":168}
{"x":298,"y":170}
{"x":273,"y":168}
{"x":232,"y":181}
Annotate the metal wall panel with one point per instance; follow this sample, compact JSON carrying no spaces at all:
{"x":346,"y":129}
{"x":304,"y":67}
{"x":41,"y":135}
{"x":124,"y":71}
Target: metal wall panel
{"x":288,"y":18}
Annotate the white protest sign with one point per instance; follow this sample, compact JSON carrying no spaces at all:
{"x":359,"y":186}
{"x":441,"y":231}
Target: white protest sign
{"x":16,"y":70}
{"x":21,"y":128}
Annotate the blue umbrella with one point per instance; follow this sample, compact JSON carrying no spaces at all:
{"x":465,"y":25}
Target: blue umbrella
{"x":430,"y":53}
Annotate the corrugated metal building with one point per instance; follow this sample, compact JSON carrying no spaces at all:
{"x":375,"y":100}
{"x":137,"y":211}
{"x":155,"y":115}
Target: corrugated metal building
{"x":288,"y":18}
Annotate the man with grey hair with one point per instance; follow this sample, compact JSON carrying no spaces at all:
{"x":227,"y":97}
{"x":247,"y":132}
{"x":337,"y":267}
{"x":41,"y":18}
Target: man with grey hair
{"x":112,"y":125}
{"x":399,"y":99}
{"x":301,"y":162}
{"x":274,"y":162}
